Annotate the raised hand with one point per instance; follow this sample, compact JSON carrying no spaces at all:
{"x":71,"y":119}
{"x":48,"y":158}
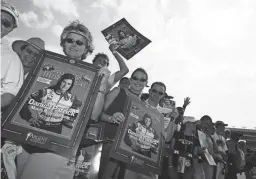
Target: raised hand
{"x":186,"y":102}
{"x":104,"y":71}
{"x":35,"y":122}
{"x":113,"y":47}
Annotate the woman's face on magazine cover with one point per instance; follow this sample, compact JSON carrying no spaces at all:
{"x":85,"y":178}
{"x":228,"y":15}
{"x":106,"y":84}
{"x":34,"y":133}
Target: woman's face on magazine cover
{"x":122,"y":34}
{"x":147,"y":122}
{"x":65,"y":85}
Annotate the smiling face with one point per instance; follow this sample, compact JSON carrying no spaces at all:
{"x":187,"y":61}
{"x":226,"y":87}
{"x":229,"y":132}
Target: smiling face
{"x":65,"y":85}
{"x":138,"y":81}
{"x":28,"y":56}
{"x":75,"y":45}
{"x":7,"y":23}
{"x":156,"y":93}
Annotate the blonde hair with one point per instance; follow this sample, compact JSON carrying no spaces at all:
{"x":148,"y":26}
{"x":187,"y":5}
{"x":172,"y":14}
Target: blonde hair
{"x":79,"y":28}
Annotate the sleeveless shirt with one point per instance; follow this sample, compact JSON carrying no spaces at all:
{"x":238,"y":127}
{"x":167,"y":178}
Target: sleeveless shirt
{"x":118,"y":105}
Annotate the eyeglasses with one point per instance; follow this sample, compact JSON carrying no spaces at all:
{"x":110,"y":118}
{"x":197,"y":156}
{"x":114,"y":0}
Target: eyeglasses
{"x":139,"y":79}
{"x":78,"y":42}
{"x":6,"y":23}
{"x":155,"y":91}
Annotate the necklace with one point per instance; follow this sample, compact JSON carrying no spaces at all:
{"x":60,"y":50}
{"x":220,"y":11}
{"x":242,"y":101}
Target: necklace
{"x":133,"y":93}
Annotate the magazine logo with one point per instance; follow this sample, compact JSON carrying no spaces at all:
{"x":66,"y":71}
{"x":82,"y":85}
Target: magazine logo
{"x":84,"y":165}
{"x":135,"y":110}
{"x":137,"y":161}
{"x":35,"y":138}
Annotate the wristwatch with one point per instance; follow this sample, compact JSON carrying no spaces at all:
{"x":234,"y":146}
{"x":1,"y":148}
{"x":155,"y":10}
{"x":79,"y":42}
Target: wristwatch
{"x":102,"y":91}
{"x":110,"y":119}
{"x":114,"y":52}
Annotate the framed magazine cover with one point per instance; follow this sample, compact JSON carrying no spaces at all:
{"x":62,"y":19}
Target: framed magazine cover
{"x":127,"y":38}
{"x":54,"y":104}
{"x":140,"y":142}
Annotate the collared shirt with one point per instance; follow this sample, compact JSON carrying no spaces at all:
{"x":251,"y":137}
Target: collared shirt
{"x":12,"y":74}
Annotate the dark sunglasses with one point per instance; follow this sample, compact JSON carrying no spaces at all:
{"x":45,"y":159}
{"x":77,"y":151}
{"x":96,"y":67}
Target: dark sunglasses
{"x":155,"y":91}
{"x":138,"y":79}
{"x":78,"y":42}
{"x":6,"y":23}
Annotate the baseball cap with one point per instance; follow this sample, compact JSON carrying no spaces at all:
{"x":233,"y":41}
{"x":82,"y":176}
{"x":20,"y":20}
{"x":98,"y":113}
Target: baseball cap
{"x":168,"y":96}
{"x":6,"y":6}
{"x":219,"y":123}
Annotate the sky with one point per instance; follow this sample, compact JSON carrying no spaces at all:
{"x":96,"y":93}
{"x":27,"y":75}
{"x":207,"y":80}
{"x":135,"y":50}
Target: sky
{"x":202,"y":49}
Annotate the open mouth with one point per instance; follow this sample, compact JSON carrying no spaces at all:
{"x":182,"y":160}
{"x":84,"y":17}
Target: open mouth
{"x":29,"y":60}
{"x":72,"y":49}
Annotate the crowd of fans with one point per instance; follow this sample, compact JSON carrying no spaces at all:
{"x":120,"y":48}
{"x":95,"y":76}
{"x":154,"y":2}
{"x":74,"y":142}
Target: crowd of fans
{"x":182,"y":140}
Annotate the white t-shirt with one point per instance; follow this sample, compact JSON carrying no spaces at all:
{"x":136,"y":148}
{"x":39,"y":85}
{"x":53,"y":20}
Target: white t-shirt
{"x":12,"y":74}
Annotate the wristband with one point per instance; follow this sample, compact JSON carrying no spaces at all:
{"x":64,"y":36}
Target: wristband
{"x":110,"y":119}
{"x":114,"y":52}
{"x":102,"y":92}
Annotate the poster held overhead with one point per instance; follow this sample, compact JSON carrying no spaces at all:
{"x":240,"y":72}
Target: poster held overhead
{"x":128,"y":40}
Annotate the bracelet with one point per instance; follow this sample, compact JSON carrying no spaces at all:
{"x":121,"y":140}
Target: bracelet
{"x":110,"y":119}
{"x":114,"y":52}
{"x":102,"y":92}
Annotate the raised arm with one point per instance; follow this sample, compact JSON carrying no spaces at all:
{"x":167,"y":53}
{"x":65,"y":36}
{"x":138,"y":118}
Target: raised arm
{"x":118,"y":75}
{"x":186,"y":103}
{"x":100,"y":99}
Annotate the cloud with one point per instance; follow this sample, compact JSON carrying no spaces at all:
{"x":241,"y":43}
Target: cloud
{"x":31,"y":19}
{"x":202,"y":49}
{"x":54,"y":48}
{"x":66,"y":7}
{"x":57,"y":30}
{"x":8,"y":40}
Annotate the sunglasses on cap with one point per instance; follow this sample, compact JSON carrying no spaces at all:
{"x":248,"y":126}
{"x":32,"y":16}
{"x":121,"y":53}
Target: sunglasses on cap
{"x":6,"y":23}
{"x":78,"y":42}
{"x":138,"y":79}
{"x":155,"y":91}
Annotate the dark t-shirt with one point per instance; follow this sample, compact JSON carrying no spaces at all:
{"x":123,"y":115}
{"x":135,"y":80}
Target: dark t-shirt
{"x":183,"y":146}
{"x":118,"y":105}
